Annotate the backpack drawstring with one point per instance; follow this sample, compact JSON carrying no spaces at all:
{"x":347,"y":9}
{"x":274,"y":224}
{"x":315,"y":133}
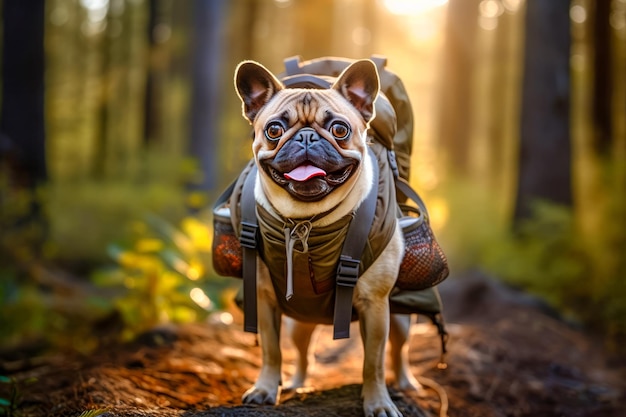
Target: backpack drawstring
{"x":299,"y":233}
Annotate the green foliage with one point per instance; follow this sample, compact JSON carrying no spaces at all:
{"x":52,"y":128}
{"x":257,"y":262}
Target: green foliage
{"x":578,"y":270}
{"x":162,"y":274}
{"x":21,"y":300}
{"x":545,"y":256}
{"x":36,"y":313}
{"x":85,"y":215}
{"x":160,"y":269}
{"x":12,"y":393}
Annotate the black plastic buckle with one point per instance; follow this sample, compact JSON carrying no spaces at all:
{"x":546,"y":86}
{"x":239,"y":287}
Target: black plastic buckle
{"x":248,"y":235}
{"x":347,"y":271}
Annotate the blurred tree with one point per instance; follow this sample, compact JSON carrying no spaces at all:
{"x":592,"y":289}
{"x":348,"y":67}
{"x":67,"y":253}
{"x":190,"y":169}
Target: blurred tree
{"x":159,"y":31}
{"x":545,"y":148}
{"x":99,"y":165}
{"x":503,"y":87}
{"x":22,"y":117}
{"x":602,"y":75}
{"x":458,"y":69}
{"x":241,"y":34}
{"x":22,"y":132}
{"x":207,"y":90}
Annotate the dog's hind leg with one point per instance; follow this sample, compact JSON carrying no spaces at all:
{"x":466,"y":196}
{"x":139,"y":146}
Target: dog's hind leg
{"x":399,"y":327}
{"x":301,"y":334}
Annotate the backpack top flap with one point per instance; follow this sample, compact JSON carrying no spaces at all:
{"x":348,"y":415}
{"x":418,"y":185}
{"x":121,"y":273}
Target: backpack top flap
{"x":393,"y":124}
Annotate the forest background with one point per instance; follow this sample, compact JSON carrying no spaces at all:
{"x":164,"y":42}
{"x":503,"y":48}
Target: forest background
{"x":120,"y":126}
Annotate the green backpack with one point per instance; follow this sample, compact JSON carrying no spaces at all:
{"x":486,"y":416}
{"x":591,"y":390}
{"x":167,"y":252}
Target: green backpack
{"x":235,"y":229}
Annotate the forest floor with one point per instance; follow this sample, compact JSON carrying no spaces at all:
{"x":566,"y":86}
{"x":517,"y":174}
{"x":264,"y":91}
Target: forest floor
{"x":508,"y":356}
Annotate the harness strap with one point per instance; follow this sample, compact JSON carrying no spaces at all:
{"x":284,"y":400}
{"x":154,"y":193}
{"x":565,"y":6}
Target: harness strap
{"x":225,"y":196}
{"x":306,"y":81}
{"x":249,"y":240}
{"x":349,"y":260}
{"x":407,"y":190}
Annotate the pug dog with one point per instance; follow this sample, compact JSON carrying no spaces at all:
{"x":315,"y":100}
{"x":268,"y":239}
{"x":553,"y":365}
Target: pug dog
{"x":310,"y":148}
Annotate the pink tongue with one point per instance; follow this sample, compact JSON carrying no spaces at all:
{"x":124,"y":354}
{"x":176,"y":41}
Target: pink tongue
{"x":304,"y":173}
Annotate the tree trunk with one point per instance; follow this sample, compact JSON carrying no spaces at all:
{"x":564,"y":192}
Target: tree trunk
{"x":602,"y":76}
{"x":22,"y":118}
{"x":22,"y":129}
{"x":100,"y":156}
{"x":208,"y":90}
{"x":458,"y":69}
{"x":545,"y":148}
{"x":159,"y":29}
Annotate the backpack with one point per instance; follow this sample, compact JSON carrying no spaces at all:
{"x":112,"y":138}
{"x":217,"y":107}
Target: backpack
{"x":424,"y":265}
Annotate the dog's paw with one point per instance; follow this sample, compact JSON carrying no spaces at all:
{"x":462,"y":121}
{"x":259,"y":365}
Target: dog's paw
{"x":296,"y":383}
{"x":380,"y":405}
{"x":407,"y":382}
{"x":386,"y":410}
{"x":260,"y":396}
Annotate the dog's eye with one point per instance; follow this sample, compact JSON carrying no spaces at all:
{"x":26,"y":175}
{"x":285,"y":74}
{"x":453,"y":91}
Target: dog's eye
{"x":274,"y":131}
{"x":340,"y":130}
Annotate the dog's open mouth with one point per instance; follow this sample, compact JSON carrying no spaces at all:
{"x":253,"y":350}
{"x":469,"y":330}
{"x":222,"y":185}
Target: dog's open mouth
{"x":308,"y":182}
{"x":305,"y":172}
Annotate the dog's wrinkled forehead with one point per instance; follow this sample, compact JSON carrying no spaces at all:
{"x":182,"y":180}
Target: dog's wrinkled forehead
{"x":307,"y":107}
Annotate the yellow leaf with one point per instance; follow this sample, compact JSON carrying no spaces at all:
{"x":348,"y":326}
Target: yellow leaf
{"x":149,"y":245}
{"x":197,"y":199}
{"x":199,"y":233}
{"x":195,"y":270}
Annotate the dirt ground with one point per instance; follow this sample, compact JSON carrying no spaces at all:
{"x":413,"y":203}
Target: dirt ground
{"x":508,"y":356}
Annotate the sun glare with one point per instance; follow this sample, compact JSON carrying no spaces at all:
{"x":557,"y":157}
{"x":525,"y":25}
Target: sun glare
{"x":412,"y":7}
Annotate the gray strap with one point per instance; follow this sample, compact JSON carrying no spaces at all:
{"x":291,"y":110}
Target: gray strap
{"x":249,"y":239}
{"x":407,"y":190}
{"x":380,"y":61}
{"x":306,"y":81}
{"x":225,"y":196}
{"x":292,"y":65}
{"x":353,"y":246}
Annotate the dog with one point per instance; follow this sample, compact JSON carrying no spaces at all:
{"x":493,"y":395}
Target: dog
{"x":311,"y":150}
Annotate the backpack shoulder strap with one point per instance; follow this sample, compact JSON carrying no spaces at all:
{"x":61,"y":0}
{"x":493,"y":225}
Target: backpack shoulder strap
{"x":249,"y":241}
{"x":349,"y":260}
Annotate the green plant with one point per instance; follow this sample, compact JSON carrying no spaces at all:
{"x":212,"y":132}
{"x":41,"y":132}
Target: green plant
{"x":163,"y":274}
{"x":10,"y":403}
{"x":571,"y":257}
{"x":578,"y":274}
{"x":545,"y":256}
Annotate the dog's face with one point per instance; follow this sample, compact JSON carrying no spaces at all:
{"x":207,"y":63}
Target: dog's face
{"x":309,"y":144}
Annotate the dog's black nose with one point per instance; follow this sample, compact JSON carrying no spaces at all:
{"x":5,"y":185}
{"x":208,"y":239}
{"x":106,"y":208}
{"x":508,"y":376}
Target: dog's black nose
{"x":307,"y":136}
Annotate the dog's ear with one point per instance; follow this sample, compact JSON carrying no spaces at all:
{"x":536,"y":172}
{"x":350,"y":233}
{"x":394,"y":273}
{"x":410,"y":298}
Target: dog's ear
{"x":255,"y":86}
{"x":359,"y":84}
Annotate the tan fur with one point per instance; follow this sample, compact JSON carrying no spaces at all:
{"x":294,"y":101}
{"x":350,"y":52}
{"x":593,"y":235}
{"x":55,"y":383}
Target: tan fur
{"x":371,"y":296}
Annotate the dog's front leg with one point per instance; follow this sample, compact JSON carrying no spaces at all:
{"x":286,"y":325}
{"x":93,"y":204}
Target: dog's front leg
{"x":265,"y":390}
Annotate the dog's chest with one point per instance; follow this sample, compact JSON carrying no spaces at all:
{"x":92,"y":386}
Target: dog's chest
{"x":315,"y":269}
{"x":312,"y":261}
